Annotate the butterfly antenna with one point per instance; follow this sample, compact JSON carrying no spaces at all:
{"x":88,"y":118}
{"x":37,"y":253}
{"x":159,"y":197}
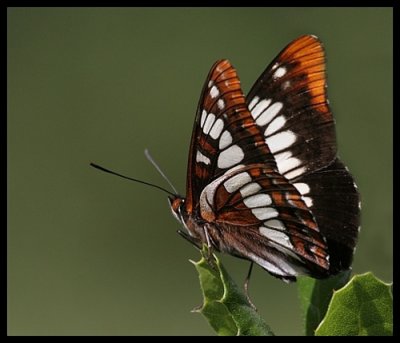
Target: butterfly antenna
{"x":94,"y":165}
{"x":150,"y":158}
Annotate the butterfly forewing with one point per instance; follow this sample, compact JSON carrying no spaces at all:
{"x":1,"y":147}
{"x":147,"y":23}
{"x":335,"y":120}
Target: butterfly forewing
{"x":289,"y":104}
{"x":224,"y":133}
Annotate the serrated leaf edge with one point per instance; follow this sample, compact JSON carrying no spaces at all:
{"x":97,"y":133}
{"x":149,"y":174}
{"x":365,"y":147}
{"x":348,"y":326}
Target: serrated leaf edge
{"x":355,"y":277}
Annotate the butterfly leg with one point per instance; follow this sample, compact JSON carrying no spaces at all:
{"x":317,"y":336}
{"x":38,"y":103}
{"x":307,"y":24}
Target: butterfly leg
{"x":191,"y":239}
{"x":207,"y":238}
{"x":246,"y":287}
{"x":209,"y":257}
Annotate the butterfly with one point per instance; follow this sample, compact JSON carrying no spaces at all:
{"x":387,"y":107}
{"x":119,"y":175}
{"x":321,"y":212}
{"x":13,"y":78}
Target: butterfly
{"x":264,"y":182}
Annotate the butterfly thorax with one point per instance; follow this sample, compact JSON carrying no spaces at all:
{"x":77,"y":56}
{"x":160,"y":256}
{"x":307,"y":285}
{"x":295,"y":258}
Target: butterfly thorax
{"x":197,"y":230}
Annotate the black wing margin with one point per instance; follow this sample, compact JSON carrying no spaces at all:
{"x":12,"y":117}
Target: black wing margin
{"x":334,"y":200}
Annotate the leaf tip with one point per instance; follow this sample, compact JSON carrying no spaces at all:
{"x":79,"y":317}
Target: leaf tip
{"x":197,"y":309}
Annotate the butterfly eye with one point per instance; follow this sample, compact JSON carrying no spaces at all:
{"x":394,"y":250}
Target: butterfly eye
{"x":175,"y":204}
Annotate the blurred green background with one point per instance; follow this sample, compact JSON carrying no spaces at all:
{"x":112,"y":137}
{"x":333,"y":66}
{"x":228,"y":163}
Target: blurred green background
{"x":91,"y":254}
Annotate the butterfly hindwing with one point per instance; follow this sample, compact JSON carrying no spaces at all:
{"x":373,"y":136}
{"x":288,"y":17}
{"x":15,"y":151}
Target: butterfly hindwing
{"x":334,"y":200}
{"x":289,"y":104}
{"x":262,"y":216}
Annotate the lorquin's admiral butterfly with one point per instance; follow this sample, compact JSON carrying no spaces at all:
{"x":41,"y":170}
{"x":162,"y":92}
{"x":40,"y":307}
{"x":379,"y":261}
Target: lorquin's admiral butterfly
{"x":264,"y":182}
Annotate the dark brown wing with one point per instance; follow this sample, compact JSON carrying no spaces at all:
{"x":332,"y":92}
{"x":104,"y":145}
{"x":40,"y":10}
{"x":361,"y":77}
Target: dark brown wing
{"x":333,"y":198}
{"x":260,"y":216}
{"x":289,"y":104}
{"x":224,"y":133}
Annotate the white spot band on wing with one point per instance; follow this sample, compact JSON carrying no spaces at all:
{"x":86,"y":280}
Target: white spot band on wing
{"x":201,"y":158}
{"x":295,"y":173}
{"x":288,"y":164}
{"x":265,"y":213}
{"x":260,"y":107}
{"x":258,"y":200}
{"x":275,"y":125}
{"x":237,"y":181}
{"x":302,"y":187}
{"x":203,"y":118}
{"x":251,"y":188}
{"x":281,"y":71}
{"x":225,"y":140}
{"x":229,"y":157}
{"x":214,"y":92}
{"x":276,"y":236}
{"x":275,"y":224}
{"x":209,"y":122}
{"x":269,"y":114}
{"x":217,"y":128}
{"x":280,"y":141}
{"x":253,"y":103}
{"x":308,"y":201}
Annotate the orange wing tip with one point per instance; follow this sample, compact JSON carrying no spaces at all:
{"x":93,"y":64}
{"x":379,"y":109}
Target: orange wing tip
{"x":308,"y":54}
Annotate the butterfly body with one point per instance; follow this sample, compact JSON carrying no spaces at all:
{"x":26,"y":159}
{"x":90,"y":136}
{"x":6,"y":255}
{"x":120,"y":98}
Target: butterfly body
{"x":264,"y":182}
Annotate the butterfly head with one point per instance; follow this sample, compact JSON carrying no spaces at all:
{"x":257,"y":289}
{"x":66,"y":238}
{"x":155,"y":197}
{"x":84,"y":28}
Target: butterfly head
{"x":177,"y":205}
{"x":193,"y":232}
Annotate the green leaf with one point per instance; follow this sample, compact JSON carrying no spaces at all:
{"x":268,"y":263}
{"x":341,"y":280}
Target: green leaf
{"x":315,"y":296}
{"x":224,"y":305}
{"x":363,"y":307}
